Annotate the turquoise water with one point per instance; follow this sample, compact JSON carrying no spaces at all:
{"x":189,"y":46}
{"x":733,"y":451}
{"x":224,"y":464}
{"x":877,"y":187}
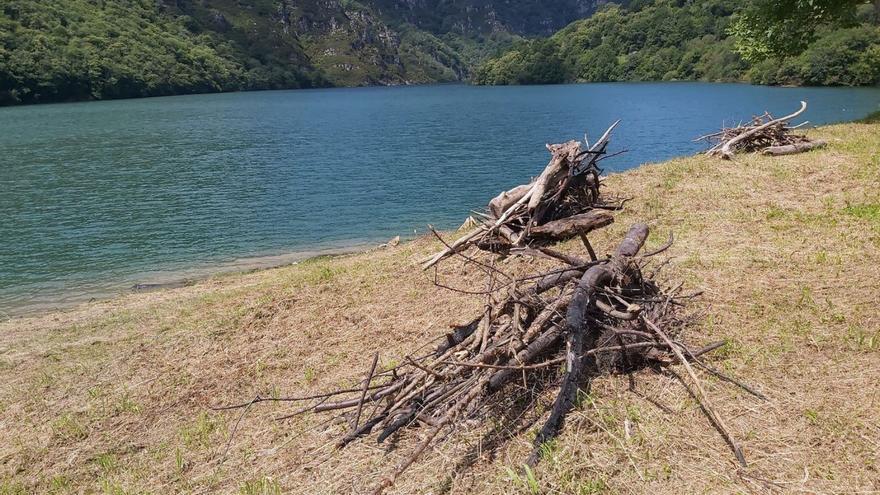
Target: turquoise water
{"x":95,"y":197}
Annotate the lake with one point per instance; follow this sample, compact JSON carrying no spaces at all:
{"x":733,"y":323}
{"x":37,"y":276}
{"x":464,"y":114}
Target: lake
{"x":96,"y":197}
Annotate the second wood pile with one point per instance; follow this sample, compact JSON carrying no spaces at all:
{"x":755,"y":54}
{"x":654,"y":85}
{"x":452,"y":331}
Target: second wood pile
{"x":765,"y":134}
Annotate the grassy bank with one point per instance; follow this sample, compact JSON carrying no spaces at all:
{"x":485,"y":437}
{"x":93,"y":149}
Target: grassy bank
{"x":113,"y":397}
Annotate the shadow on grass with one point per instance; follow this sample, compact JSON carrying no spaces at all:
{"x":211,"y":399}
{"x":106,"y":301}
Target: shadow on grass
{"x":520,"y":405}
{"x":873,"y":118}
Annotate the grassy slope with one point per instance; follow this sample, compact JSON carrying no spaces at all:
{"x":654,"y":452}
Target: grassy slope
{"x":111,"y":397}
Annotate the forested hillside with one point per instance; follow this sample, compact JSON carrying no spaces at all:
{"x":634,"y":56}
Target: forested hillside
{"x":68,"y":50}
{"x":697,"y":40}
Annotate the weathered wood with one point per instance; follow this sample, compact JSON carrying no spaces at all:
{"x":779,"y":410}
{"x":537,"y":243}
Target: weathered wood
{"x":563,"y":155}
{"x":534,"y":349}
{"x":458,"y":335}
{"x":447,"y":418}
{"x":791,"y":149}
{"x":590,"y":251}
{"x":701,"y":395}
{"x":633,"y":242}
{"x":547,"y":314}
{"x":567,"y":186}
{"x":552,"y":280}
{"x":460,"y":244}
{"x":566,"y":228}
{"x":357,"y":416}
{"x":332,"y":406}
{"x":499,"y":204}
{"x":604,"y":138}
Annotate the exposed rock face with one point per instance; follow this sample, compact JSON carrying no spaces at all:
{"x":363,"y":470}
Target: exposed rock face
{"x":218,"y":21}
{"x":350,"y":42}
{"x":543,"y":17}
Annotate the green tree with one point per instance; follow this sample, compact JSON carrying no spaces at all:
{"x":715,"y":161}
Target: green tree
{"x":651,"y":40}
{"x":767,"y":28}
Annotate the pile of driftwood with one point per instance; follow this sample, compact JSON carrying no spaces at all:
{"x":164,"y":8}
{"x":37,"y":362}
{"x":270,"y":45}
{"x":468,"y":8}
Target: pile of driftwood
{"x":765,"y":134}
{"x":562,"y":202}
{"x":587,"y":316}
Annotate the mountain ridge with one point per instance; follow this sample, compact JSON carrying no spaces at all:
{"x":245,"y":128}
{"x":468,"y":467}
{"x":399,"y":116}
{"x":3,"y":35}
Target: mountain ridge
{"x":100,"y":49}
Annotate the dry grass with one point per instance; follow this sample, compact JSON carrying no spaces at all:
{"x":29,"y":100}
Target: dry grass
{"x":112,"y":397}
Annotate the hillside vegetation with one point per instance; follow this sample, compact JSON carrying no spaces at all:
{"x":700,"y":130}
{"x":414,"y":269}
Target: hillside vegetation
{"x":81,"y":49}
{"x":113,"y":397}
{"x":666,"y":40}
{"x":69,"y":50}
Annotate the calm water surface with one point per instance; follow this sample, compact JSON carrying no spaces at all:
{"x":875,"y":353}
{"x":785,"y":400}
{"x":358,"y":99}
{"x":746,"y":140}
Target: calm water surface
{"x":95,"y":197}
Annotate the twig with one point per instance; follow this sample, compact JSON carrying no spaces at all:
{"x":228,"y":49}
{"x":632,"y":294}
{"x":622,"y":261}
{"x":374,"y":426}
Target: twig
{"x":293,"y":399}
{"x":423,"y":368}
{"x":555,"y":361}
{"x":701,"y":395}
{"x":468,"y":258}
{"x":589,"y":247}
{"x":728,"y":378}
{"x":660,"y":249}
{"x":237,"y":423}
{"x":357,"y":415}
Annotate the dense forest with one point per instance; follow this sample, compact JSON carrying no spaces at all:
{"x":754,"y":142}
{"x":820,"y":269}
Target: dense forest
{"x":67,"y":50}
{"x":707,"y":40}
{"x":78,"y":49}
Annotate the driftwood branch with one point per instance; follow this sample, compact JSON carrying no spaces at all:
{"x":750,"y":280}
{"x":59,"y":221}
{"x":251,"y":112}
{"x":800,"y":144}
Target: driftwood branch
{"x":576,"y":225}
{"x":791,"y":149}
{"x":357,"y":416}
{"x":702,"y":396}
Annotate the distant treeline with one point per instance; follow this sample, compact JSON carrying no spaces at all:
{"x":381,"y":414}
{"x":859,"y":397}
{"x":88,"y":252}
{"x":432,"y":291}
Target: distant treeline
{"x":667,"y":40}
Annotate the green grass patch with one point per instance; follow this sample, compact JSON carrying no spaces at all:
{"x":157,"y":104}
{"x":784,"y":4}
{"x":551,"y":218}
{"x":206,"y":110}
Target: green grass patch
{"x":261,"y":486}
{"x":870,"y":212}
{"x":200,"y":432}
{"x":68,"y":427}
{"x":13,"y":488}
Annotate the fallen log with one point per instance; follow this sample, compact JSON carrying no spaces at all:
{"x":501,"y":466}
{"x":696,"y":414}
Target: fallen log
{"x":563,"y":155}
{"x":567,"y":228}
{"x":506,"y":199}
{"x":791,"y":149}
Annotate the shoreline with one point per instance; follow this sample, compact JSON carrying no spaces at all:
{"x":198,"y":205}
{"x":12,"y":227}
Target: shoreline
{"x":160,"y":281}
{"x":428,"y":84}
{"x":318,"y":88}
{"x":104,"y":290}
